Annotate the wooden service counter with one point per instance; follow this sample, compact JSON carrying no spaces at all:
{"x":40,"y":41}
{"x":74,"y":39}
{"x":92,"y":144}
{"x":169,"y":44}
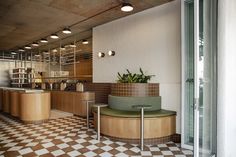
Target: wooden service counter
{"x":35,"y":106}
{"x":27,"y":105}
{"x":71,"y":101}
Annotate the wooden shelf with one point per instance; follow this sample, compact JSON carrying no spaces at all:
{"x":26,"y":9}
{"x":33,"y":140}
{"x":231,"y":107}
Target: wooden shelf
{"x":70,"y":77}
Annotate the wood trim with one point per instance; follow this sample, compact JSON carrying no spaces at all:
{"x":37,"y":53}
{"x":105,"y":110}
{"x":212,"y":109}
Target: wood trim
{"x":129,"y":128}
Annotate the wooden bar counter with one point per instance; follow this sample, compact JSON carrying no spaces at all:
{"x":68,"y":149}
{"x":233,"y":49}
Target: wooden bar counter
{"x":26,"y":104}
{"x":35,"y":106}
{"x":71,"y":101}
{"x":14,"y":103}
{"x":6,"y":101}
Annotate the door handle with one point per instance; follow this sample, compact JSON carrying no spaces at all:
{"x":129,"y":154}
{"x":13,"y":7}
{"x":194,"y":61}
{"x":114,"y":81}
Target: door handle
{"x":190,"y":80}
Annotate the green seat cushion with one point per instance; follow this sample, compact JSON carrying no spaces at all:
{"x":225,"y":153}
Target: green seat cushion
{"x":127,"y":103}
{"x":134,"y":114}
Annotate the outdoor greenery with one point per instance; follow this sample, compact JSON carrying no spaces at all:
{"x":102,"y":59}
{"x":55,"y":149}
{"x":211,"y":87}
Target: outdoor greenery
{"x":134,"y":78}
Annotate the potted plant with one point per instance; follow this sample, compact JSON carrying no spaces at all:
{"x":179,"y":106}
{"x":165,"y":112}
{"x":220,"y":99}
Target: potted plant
{"x":134,"y":78}
{"x":134,"y":84}
{"x":133,"y":88}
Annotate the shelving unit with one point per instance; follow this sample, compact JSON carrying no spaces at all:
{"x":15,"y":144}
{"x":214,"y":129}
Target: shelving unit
{"x":22,"y":76}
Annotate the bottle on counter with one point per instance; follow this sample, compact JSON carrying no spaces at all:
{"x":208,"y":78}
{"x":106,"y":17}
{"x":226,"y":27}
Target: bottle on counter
{"x":43,"y":86}
{"x":80,"y":87}
{"x":62,"y":85}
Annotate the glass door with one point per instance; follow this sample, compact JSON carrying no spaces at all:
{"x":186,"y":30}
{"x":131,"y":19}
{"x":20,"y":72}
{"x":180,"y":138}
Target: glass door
{"x":188,"y":74}
{"x":206,"y":47}
{"x":199,"y":38}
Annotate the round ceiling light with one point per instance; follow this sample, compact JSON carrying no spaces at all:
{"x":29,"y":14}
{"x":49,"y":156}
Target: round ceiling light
{"x":127,"y":7}
{"x":85,"y":41}
{"x":27,"y":47}
{"x":21,"y":50}
{"x":54,"y":50}
{"x":43,"y":40}
{"x":35,"y":44}
{"x":46,"y":52}
{"x":54,"y":36}
{"x":72,"y":45}
{"x":13,"y":52}
{"x":62,"y":48}
{"x":66,"y":31}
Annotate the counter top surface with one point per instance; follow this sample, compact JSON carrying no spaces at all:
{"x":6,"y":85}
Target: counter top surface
{"x":29,"y":90}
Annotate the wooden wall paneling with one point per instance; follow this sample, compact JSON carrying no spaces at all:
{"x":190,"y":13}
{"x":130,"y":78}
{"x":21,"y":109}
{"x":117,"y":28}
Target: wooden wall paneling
{"x":84,"y":68}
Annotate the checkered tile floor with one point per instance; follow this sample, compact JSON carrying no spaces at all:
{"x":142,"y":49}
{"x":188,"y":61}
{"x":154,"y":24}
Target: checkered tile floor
{"x":70,"y":137}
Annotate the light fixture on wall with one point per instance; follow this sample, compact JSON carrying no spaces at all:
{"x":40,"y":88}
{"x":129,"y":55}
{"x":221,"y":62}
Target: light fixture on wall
{"x":54,"y":36}
{"x":85,"y":41}
{"x":43,"y":40}
{"x":101,"y":54}
{"x":35,"y":44}
{"x":27,"y":47}
{"x":126,"y":7}
{"x":21,"y":50}
{"x":66,"y":30}
{"x":111,"y":53}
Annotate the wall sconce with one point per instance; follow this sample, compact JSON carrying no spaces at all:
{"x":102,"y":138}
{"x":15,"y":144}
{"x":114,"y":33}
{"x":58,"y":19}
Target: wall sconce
{"x":101,"y":54}
{"x":111,"y":53}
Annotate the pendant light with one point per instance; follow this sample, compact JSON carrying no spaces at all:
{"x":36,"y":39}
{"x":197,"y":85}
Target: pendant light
{"x":21,"y":50}
{"x":43,"y":40}
{"x":27,"y":47}
{"x":62,"y":48}
{"x":54,"y":50}
{"x":66,"y":30}
{"x":35,"y":44}
{"x":126,"y":7}
{"x":85,"y":41}
{"x":13,"y":52}
{"x":72,"y":45}
{"x":54,"y":36}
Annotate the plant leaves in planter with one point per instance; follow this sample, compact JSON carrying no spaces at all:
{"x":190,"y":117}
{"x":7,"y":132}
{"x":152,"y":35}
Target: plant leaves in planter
{"x":134,"y":78}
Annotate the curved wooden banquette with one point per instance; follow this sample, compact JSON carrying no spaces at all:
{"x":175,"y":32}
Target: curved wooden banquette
{"x":121,"y":121}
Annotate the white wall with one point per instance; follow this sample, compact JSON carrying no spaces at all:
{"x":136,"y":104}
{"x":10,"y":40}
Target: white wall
{"x":150,"y":40}
{"x":226,"y":107}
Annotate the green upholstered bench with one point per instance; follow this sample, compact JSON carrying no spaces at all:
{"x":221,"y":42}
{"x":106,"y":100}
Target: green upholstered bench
{"x":126,"y":103}
{"x":135,"y":114}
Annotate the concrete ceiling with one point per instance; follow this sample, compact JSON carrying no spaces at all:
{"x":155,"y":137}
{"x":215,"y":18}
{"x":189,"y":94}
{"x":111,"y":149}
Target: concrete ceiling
{"x":26,"y":21}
